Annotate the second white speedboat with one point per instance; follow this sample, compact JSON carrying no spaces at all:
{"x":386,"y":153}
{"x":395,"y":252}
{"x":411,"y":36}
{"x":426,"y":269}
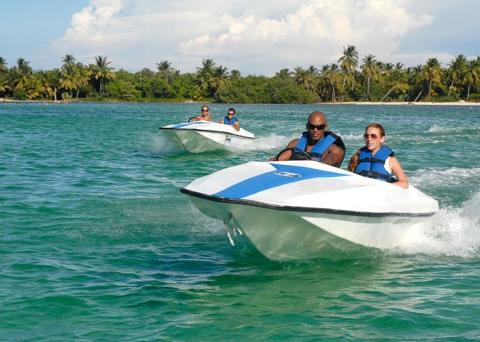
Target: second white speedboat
{"x":203,"y":136}
{"x":305,"y":209}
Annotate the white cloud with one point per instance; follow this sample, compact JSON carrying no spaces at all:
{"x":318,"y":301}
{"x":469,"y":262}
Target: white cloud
{"x":250,"y":36}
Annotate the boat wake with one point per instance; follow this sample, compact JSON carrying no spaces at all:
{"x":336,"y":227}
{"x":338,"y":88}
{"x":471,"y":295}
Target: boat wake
{"x":446,"y":178}
{"x":453,"y":232}
{"x":269,"y":142}
{"x":160,"y":144}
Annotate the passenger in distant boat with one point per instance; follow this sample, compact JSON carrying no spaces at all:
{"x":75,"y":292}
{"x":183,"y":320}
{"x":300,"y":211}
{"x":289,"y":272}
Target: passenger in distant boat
{"x":377,"y":160}
{"x":316,"y":143}
{"x":204,"y":115}
{"x":230,"y":119}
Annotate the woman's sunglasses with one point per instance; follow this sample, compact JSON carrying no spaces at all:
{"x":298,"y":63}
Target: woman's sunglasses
{"x":204,"y":110}
{"x":373,"y":136}
{"x":312,"y":126}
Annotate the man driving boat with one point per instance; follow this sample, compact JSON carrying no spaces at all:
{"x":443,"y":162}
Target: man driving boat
{"x":316,"y":143}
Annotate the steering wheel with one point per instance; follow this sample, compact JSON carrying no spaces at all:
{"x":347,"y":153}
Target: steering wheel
{"x":191,"y":119}
{"x":299,"y":155}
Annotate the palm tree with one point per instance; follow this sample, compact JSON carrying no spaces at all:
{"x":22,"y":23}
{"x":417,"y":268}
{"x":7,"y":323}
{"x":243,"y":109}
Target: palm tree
{"x":432,"y":73}
{"x":50,"y":82}
{"x":3,"y":76}
{"x":219,"y":80}
{"x":73,"y":75}
{"x":235,"y":74}
{"x":332,"y":77}
{"x":415,"y":80}
{"x":313,"y":70}
{"x":205,"y":77}
{"x":3,"y":84}
{"x":384,"y":71}
{"x":472,"y":75}
{"x":3,"y":65}
{"x":68,"y":77}
{"x":166,"y":71}
{"x":68,"y":60}
{"x":283,"y":74}
{"x":102,"y":72}
{"x":82,"y":77}
{"x":20,"y":74}
{"x":397,"y":82}
{"x":348,"y":63}
{"x":305,"y":78}
{"x":456,"y":71}
{"x":369,"y":71}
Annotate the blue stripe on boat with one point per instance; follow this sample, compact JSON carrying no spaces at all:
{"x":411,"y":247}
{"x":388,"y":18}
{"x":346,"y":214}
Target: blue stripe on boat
{"x":284,"y":174}
{"x":190,"y":123}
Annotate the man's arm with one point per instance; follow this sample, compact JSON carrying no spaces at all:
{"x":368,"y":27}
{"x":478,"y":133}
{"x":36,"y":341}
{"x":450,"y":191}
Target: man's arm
{"x":334,"y":156}
{"x":286,"y":155}
{"x":352,"y":165}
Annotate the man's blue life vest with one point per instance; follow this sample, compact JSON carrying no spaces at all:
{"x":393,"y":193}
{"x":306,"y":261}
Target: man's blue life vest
{"x":373,"y":166}
{"x":231,"y":121}
{"x":317,"y":151}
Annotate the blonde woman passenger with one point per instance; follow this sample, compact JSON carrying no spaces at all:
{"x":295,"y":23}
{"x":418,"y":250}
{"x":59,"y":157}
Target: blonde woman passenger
{"x":376,"y":159}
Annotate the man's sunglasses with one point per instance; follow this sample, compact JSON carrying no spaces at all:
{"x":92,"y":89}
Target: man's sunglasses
{"x":312,"y":126}
{"x":231,"y":113}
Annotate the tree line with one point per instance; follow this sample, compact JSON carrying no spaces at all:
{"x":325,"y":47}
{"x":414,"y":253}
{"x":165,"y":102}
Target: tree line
{"x":348,"y":79}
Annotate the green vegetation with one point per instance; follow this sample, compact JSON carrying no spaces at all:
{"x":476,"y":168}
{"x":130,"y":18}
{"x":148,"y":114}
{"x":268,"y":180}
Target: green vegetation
{"x":346,"y":80}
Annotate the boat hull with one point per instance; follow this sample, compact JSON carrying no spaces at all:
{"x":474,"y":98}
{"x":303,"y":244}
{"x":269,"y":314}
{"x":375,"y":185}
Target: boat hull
{"x":305,"y":209}
{"x":204,"y":136}
{"x":285,"y":235}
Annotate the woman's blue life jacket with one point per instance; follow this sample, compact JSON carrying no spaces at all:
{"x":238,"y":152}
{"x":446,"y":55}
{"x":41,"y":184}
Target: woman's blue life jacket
{"x":317,"y":151}
{"x":231,"y":121}
{"x":373,"y":166}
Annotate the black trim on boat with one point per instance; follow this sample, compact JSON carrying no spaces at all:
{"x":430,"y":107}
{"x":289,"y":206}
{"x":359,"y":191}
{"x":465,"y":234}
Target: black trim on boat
{"x":302,"y":209}
{"x":205,"y":130}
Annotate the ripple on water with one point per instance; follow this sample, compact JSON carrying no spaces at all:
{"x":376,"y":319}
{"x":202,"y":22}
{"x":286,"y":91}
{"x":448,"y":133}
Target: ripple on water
{"x":97,"y":242}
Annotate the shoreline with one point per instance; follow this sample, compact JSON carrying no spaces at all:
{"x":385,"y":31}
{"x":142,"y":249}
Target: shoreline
{"x":372,"y":103}
{"x":376,"y":103}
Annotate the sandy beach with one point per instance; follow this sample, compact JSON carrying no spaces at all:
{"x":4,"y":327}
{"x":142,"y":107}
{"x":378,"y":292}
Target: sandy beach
{"x":458,"y":103}
{"x":372,"y":103}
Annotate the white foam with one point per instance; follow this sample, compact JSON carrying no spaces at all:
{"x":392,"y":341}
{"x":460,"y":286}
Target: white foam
{"x":453,"y":232}
{"x":456,"y":130}
{"x":436,"y":129}
{"x":160,"y":144}
{"x":453,"y":176}
{"x":352,"y":137}
{"x":270,"y":142}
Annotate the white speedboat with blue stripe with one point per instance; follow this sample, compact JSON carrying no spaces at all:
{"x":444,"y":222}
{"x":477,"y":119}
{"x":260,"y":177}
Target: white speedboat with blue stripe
{"x":202,"y":136}
{"x":305,"y":209}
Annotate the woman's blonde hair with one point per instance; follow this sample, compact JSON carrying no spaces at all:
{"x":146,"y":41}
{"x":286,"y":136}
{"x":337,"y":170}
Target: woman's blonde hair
{"x":376,"y":125}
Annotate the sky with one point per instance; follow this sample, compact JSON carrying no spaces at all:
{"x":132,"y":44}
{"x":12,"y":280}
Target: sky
{"x":252,"y":36}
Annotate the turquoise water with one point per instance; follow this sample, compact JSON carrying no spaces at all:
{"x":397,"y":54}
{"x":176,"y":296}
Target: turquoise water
{"x":97,"y":242}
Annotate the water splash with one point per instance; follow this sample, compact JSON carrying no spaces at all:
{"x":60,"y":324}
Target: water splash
{"x":448,"y":177}
{"x":453,"y":232}
{"x":269,"y":142}
{"x":351,"y":137}
{"x":159,"y":144}
{"x":439,"y":129}
{"x":449,"y":129}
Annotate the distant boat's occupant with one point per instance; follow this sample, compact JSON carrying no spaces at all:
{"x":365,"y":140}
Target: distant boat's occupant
{"x":230,"y":119}
{"x":204,"y":115}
